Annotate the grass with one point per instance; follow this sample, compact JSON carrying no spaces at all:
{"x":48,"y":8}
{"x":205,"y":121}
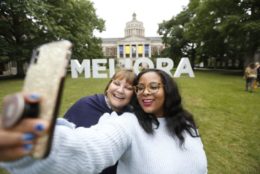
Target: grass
{"x":227,"y":116}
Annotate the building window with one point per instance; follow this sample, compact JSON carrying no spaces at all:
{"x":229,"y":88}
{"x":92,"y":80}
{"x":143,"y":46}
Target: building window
{"x":127,"y":51}
{"x":121,"y":51}
{"x":133,"y":51}
{"x":146,"y":50}
{"x":154,"y":50}
{"x":140,"y":50}
{"x":110,"y":52}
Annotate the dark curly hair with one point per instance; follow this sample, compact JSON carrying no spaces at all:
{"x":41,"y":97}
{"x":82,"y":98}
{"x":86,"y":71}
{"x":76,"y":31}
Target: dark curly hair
{"x":177,"y":118}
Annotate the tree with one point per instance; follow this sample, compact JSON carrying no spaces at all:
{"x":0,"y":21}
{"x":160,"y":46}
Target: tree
{"x":16,"y":33}
{"x":26,"y":24}
{"x":220,"y":29}
{"x":173,"y":31}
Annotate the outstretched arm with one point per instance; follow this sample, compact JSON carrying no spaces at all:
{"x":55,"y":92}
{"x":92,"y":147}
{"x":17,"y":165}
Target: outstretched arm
{"x":80,"y":150}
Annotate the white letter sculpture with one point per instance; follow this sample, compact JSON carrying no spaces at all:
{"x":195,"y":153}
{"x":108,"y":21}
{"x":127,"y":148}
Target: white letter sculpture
{"x":184,"y":67}
{"x":77,"y":68}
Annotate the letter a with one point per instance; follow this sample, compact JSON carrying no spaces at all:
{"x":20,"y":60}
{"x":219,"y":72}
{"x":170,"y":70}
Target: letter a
{"x":184,"y":67}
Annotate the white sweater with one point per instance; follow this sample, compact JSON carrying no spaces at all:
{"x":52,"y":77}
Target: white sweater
{"x":89,"y":150}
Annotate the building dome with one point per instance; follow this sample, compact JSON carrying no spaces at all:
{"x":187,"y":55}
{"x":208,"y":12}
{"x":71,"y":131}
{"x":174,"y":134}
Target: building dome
{"x":134,"y":28}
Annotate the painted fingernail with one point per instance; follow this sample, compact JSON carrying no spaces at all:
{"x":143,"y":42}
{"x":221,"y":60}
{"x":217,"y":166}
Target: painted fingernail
{"x":39,"y":127}
{"x":28,"y":136}
{"x":27,"y":147}
{"x":34,"y":97}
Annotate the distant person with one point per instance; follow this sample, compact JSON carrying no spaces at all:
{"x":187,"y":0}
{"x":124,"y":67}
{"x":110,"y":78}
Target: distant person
{"x":250,"y":76}
{"x":258,"y":73}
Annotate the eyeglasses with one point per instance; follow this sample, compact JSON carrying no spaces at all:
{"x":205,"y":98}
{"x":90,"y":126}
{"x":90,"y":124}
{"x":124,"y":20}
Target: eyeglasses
{"x":119,"y":83}
{"x":152,"y":87}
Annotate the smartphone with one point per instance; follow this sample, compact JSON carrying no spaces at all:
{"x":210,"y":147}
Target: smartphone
{"x":45,"y":77}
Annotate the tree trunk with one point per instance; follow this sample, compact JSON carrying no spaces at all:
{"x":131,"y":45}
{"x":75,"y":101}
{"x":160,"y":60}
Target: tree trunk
{"x":193,"y":56}
{"x":20,"y":70}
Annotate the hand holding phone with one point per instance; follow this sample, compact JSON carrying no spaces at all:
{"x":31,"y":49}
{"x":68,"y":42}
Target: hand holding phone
{"x":45,"y":77}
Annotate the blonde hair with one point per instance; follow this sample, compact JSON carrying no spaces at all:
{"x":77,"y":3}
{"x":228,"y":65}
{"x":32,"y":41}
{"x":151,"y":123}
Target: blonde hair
{"x":127,"y":74}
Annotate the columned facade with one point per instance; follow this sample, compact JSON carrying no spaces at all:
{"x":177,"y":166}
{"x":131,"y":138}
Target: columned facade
{"x":134,"y":44}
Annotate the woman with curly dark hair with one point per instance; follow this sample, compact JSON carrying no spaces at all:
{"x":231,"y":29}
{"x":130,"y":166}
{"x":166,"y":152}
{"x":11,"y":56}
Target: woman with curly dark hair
{"x":161,"y":137}
{"x":176,"y":117}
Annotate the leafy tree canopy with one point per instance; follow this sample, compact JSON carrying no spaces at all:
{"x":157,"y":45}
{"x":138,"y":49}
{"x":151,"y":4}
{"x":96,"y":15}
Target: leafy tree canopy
{"x":26,"y":24}
{"x":223,"y":29}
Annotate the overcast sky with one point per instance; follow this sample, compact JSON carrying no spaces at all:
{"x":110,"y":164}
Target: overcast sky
{"x":151,"y":12}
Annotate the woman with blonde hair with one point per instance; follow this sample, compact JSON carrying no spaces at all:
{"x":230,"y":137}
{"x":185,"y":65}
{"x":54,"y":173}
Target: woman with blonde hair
{"x":117,"y":95}
{"x":159,"y":137}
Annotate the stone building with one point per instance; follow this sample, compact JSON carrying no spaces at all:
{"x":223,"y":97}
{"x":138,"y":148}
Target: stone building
{"x":134,"y":44}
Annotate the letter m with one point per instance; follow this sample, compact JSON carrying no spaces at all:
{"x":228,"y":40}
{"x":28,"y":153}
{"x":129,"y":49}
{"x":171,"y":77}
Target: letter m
{"x":77,"y":68}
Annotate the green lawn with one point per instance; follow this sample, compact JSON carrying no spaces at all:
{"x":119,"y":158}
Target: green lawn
{"x":227,"y":116}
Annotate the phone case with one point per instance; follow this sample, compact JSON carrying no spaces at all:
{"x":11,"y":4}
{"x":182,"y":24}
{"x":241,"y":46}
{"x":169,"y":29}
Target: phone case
{"x":45,"y":77}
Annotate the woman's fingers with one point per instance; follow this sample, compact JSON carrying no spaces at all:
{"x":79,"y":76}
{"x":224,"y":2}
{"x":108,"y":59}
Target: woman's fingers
{"x":15,"y":152}
{"x":26,"y":132}
{"x":19,"y":141}
{"x":9,"y":138}
{"x":36,"y":126}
